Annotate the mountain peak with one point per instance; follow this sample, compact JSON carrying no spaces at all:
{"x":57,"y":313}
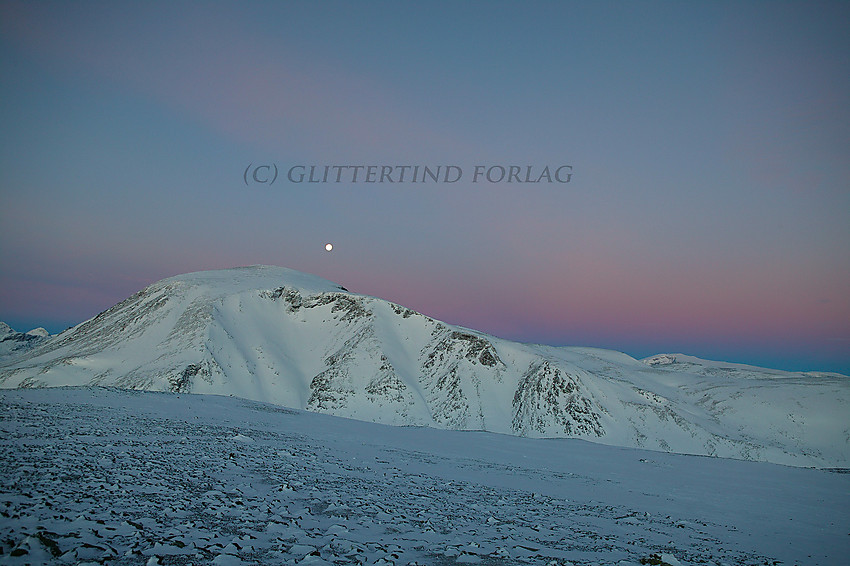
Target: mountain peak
{"x":254,"y":277}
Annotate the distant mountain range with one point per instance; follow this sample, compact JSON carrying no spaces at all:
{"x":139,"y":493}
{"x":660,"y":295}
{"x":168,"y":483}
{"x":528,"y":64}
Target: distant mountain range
{"x":285,"y":337}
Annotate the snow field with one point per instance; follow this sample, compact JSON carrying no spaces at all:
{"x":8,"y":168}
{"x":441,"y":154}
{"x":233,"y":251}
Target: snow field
{"x":103,"y":476}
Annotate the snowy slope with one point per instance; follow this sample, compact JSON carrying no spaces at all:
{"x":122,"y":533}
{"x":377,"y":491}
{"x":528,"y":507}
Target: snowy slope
{"x":97,"y":476}
{"x":276,"y":335}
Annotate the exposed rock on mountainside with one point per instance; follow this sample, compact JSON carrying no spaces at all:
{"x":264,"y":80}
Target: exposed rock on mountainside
{"x":549,"y":398}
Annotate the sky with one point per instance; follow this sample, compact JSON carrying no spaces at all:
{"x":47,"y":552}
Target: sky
{"x":707,"y":211}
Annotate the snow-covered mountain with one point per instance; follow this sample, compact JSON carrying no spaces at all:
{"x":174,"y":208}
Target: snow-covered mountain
{"x":13,"y":342}
{"x":280,"y":336}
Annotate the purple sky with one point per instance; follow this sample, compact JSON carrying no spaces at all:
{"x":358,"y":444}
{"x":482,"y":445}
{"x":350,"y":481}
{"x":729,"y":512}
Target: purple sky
{"x":708,"y":212}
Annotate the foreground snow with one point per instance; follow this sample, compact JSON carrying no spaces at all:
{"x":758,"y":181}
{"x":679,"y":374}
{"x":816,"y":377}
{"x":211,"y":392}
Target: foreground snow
{"x":110,"y":476}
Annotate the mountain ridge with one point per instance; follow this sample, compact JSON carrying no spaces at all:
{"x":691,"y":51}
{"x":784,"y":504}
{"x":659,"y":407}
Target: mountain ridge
{"x":296,"y":340}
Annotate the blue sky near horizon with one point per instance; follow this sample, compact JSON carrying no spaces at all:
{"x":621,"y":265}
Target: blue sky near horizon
{"x":708,"y":212}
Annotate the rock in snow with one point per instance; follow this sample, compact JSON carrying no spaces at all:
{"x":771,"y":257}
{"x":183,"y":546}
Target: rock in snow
{"x":280,"y":336}
{"x":125,"y":478}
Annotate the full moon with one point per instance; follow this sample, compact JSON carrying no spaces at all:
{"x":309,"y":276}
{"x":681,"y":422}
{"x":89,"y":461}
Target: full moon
{"x":329,"y":246}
